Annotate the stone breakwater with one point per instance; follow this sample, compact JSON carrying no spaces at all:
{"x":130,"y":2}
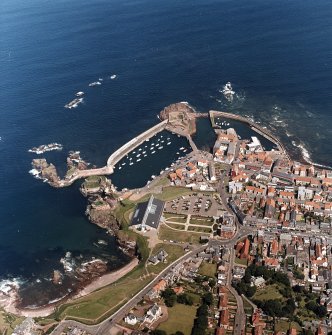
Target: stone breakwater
{"x":134,"y":143}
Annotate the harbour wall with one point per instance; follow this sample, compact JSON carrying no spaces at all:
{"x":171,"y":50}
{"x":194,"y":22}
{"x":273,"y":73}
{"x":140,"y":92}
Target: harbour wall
{"x":254,"y":126}
{"x":134,"y":143}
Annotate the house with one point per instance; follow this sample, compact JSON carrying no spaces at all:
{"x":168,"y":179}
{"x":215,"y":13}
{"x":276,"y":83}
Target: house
{"x":131,"y":319}
{"x":153,"y":313}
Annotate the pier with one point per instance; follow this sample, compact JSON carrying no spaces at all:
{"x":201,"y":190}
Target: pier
{"x":254,"y":126}
{"x":134,"y":143}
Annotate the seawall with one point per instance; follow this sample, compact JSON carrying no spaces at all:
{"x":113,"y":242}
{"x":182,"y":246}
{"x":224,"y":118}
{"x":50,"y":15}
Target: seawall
{"x":134,"y":143}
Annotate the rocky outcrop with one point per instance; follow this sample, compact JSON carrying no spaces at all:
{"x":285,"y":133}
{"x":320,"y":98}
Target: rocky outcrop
{"x":127,"y":243}
{"x":181,"y":118}
{"x":46,"y":171}
{"x":179,"y":107}
{"x":100,"y":212}
{"x":57,"y":277}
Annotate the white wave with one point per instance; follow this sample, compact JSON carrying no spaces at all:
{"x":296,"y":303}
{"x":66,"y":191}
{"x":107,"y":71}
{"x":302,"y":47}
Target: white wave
{"x":307,"y":157}
{"x":8,"y":285}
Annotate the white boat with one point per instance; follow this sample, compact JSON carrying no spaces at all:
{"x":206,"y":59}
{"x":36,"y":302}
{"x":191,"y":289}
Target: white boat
{"x":134,"y":152}
{"x":138,"y":160}
{"x":168,"y":143}
{"x":131,"y":163}
{"x":144,"y":152}
{"x":79,"y":94}
{"x":178,"y":153}
{"x":160,"y":147}
{"x":120,"y":167}
{"x":138,"y":155}
{"x":145,"y":155}
{"x":74,"y":103}
{"x":153,"y":152}
{"x":123,"y":164}
{"x":140,"y":149}
{"x":113,"y":76}
{"x":153,"y":176}
{"x":182,"y":148}
{"x":95,"y":83}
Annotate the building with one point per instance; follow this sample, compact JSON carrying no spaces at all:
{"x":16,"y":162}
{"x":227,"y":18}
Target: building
{"x":148,"y":213}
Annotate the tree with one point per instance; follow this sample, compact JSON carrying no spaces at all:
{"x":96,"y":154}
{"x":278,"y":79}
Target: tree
{"x":158,"y":332}
{"x":185,"y":299}
{"x":251,"y":290}
{"x":169,"y":297}
{"x":208,"y":298}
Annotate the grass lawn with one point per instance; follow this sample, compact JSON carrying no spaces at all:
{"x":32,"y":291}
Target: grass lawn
{"x":8,"y":322}
{"x":202,"y":221}
{"x":283,"y":326}
{"x":123,"y":211}
{"x":199,"y":229}
{"x":208,"y":269}
{"x":166,"y":233}
{"x":174,"y":252}
{"x":175,"y":217}
{"x":241,"y":261}
{"x":102,"y":303}
{"x":267,"y":293}
{"x":172,"y":192}
{"x":176,"y":225}
{"x":180,"y":318}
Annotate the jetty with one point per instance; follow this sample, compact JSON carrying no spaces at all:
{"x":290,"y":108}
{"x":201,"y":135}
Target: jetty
{"x":253,"y":125}
{"x":134,"y":143}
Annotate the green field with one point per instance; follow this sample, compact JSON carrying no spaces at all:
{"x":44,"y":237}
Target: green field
{"x":241,"y":261}
{"x":208,"y":269}
{"x":102,"y":303}
{"x":166,"y":233}
{"x":175,"y":217}
{"x":199,"y":229}
{"x":267,"y":293}
{"x":284,"y":326}
{"x":178,"y":226}
{"x":202,"y":221}
{"x":8,"y":322}
{"x":180,"y":318}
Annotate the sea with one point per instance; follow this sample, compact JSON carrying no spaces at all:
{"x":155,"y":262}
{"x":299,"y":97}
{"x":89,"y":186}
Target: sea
{"x":276,"y":54}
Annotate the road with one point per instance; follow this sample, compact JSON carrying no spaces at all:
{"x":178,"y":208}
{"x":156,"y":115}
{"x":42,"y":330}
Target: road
{"x":105,"y":326}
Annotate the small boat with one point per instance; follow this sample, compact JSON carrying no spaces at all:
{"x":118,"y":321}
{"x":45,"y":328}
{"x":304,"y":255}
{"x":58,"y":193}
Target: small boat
{"x":144,"y":152}
{"x":145,"y":155}
{"x":134,"y":152}
{"x":157,"y":145}
{"x":138,"y":160}
{"x":178,"y":153}
{"x":113,"y":76}
{"x":131,"y":163}
{"x":160,"y":147}
{"x":123,"y":164}
{"x":153,"y":176}
{"x":79,"y":94}
{"x":182,"y":148}
{"x":138,"y":155}
{"x":120,"y":167}
{"x":168,"y":143}
{"x":153,"y":152}
{"x":140,"y":149}
{"x":95,"y":83}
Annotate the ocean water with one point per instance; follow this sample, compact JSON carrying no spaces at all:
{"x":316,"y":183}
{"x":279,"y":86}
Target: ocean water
{"x":277,"y":55}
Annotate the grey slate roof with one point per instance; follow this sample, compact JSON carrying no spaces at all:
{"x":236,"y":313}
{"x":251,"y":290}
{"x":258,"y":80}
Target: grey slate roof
{"x":148,"y":213}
